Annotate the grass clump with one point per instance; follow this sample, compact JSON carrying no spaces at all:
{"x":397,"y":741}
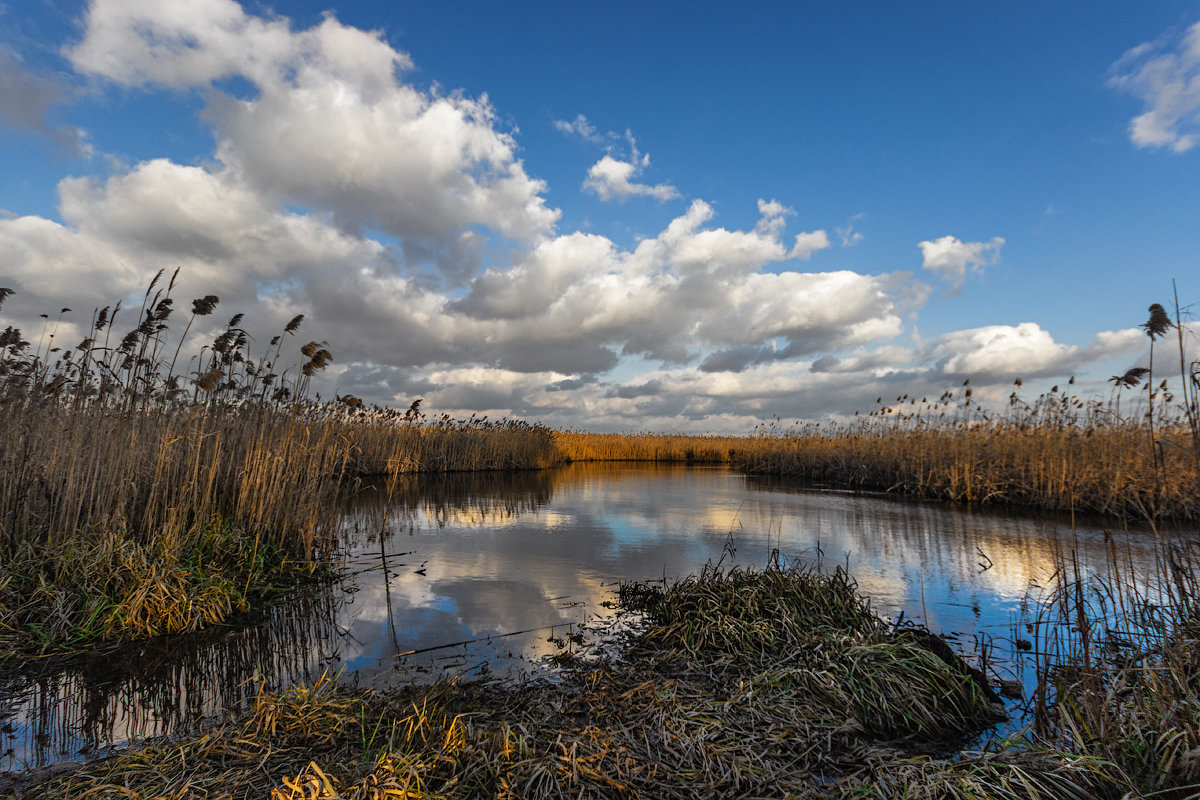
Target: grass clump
{"x":787,"y":630}
{"x":740,"y":683}
{"x":741,"y":613}
{"x":75,"y":594}
{"x":755,"y":700}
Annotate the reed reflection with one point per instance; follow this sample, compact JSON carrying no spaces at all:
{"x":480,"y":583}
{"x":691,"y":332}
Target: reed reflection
{"x":163,"y":685}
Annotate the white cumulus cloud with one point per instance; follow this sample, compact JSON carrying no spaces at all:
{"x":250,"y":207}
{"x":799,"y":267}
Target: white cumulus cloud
{"x":1000,"y":352}
{"x":949,"y":258}
{"x":332,"y":125}
{"x":611,"y":179}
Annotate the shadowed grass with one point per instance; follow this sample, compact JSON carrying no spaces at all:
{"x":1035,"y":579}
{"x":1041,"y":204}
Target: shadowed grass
{"x":1120,"y":679}
{"x":111,"y":588}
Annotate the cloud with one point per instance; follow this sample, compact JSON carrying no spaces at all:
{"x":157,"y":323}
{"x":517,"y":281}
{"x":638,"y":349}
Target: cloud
{"x":403,"y":225}
{"x":691,"y":288}
{"x":949,"y":259}
{"x":847,"y":236}
{"x":376,"y":153}
{"x":999,"y":352}
{"x":610,"y":178}
{"x":772,"y":221}
{"x":885,"y":358}
{"x":1165,"y":75}
{"x":25,"y":99}
{"x":581,"y":127}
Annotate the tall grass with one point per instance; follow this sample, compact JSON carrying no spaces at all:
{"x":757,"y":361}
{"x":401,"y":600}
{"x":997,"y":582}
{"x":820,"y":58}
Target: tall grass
{"x":1059,"y":451}
{"x":136,"y":486}
{"x":1118,"y":659}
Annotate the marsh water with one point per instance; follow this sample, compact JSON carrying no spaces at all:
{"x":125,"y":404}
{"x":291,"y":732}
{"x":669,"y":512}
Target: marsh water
{"x":489,"y":574}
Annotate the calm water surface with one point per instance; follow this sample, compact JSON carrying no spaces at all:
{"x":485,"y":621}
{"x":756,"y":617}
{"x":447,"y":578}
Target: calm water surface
{"x":474,"y":558}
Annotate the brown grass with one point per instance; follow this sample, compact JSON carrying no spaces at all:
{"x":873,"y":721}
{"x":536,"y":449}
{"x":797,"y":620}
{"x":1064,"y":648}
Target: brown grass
{"x":709,"y":449}
{"x":681,"y":714}
{"x":117,"y":469}
{"x":1059,"y":453}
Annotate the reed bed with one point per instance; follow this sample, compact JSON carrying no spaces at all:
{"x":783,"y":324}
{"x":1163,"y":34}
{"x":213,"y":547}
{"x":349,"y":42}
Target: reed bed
{"x":1119,"y":674}
{"x":1058,"y":452}
{"x":143,"y":496}
{"x":740,"y":684}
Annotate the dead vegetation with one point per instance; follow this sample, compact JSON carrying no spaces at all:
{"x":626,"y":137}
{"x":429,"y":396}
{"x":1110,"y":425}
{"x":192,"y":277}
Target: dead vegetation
{"x":768,"y":683}
{"x":142,"y":494}
{"x":777,"y":682}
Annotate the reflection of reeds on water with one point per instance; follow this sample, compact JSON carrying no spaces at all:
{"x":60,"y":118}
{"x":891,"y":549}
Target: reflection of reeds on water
{"x":165,"y":686}
{"x":743,"y":684}
{"x":778,"y":682}
{"x":443,"y":497}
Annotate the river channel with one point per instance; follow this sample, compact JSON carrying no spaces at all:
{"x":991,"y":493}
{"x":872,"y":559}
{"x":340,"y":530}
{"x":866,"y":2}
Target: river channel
{"x":453,"y":566}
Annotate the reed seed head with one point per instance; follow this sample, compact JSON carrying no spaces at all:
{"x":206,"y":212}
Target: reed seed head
{"x":204,"y":306}
{"x":1159,"y":323}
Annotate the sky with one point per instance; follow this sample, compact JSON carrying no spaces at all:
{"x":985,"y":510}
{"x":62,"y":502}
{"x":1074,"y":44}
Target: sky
{"x":617,"y":217}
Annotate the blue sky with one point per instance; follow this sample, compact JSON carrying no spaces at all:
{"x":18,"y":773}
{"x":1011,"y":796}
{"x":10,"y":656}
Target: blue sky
{"x":687,"y":216}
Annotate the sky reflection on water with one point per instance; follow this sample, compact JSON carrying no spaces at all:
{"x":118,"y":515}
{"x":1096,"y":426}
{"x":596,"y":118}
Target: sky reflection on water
{"x":465,"y":557}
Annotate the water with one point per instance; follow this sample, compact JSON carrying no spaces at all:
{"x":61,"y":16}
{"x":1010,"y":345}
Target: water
{"x":474,"y":558}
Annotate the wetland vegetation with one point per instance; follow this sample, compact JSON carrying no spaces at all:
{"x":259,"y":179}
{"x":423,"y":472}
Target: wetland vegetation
{"x":143,"y":497}
{"x":779,"y":682}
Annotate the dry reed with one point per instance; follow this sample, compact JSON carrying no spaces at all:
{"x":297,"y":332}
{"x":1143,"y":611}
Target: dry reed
{"x":118,"y":468}
{"x":1058,"y":452}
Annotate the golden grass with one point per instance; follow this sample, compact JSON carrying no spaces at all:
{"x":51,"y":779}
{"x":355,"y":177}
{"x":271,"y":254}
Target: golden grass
{"x":1059,"y":454}
{"x":583,"y":446}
